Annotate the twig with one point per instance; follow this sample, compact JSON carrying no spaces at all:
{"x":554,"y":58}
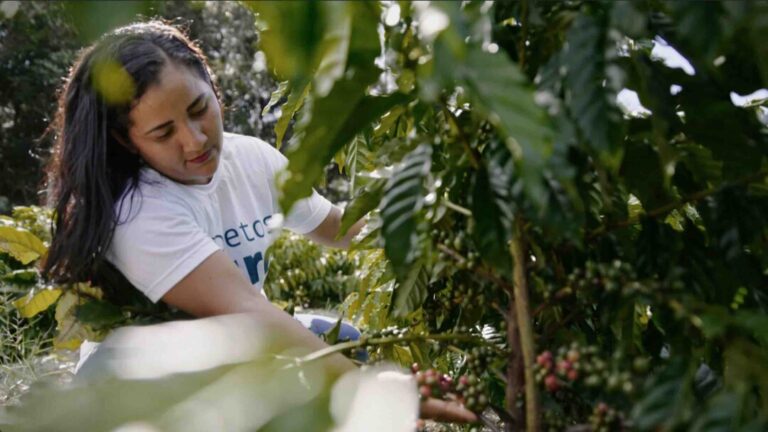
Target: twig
{"x":333,"y":349}
{"x":524,"y":323}
{"x":457,"y":208}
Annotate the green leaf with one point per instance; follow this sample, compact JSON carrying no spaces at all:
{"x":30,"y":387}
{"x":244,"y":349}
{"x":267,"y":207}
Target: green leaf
{"x":403,"y":199}
{"x":643,"y":174}
{"x":491,"y":206}
{"x":692,"y":17}
{"x":278,"y":94}
{"x":21,"y":244}
{"x":660,"y":405}
{"x":411,"y":292}
{"x":699,"y":160}
{"x":590,"y":102}
{"x":36,"y":301}
{"x":502,"y":93}
{"x":732,"y":134}
{"x":336,"y":119}
{"x":295,"y":100}
{"x":93,"y":19}
{"x":334,"y":46}
{"x":292,"y":36}
{"x":332,"y":335}
{"x":21,"y":277}
{"x":367,"y":200}
{"x":99,"y":314}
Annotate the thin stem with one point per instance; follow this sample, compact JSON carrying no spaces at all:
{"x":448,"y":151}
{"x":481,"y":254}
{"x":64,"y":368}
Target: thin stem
{"x":333,"y":349}
{"x":457,"y":208}
{"x":524,"y":323}
{"x":515,"y":377}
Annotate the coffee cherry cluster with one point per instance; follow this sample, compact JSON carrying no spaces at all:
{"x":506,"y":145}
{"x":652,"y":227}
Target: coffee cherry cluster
{"x":391,"y":331}
{"x":605,"y":418}
{"x":608,"y":276}
{"x":472,"y":392}
{"x":554,"y":421}
{"x":458,"y":241}
{"x":579,"y":365}
{"x":468,"y":390}
{"x":374,"y":352}
{"x":478,"y":358}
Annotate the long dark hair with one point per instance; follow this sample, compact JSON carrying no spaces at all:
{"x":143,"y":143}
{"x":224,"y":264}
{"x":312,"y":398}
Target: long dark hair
{"x":90,"y":171}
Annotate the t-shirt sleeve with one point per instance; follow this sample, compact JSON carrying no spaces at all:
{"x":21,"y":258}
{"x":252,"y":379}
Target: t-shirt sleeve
{"x":159,"y":245}
{"x":307,"y":213}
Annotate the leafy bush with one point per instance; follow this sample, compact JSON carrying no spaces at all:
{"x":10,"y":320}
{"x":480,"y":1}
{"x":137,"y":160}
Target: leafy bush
{"x":516,"y":197}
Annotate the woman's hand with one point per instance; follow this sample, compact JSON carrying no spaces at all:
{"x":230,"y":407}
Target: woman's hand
{"x":446,"y":411}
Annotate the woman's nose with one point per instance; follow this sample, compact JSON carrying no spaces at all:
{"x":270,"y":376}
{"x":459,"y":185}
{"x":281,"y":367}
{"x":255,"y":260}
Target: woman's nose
{"x":192,"y":138}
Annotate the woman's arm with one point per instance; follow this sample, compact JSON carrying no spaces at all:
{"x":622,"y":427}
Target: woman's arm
{"x":216,"y":287}
{"x":325,"y":233}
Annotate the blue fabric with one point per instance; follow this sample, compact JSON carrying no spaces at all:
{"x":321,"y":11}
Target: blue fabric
{"x":321,"y":324}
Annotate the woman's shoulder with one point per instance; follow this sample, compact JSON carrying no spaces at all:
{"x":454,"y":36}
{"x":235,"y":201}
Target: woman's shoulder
{"x":246,"y":143}
{"x":253,"y":151}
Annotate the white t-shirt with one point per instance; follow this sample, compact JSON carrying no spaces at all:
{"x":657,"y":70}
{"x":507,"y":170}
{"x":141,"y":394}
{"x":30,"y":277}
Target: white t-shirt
{"x":169,"y":228}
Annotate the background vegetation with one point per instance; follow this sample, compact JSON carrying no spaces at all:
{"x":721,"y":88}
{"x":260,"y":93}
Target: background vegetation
{"x":583,"y":267}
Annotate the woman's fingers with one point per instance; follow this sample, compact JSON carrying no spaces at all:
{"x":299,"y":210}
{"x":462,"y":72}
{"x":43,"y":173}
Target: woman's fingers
{"x":446,"y":411}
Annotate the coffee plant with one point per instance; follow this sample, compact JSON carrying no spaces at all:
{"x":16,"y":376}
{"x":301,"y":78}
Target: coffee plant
{"x":523,"y":210}
{"x":546,"y":255}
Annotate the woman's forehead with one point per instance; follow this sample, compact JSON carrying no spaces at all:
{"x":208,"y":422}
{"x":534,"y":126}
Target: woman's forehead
{"x":175,"y":88}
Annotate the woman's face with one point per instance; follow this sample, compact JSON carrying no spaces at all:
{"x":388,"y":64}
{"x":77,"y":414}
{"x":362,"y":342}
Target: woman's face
{"x":176,"y":126}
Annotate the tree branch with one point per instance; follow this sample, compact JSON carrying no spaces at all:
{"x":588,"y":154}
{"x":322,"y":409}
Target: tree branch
{"x":525,"y":326}
{"x":333,"y":349}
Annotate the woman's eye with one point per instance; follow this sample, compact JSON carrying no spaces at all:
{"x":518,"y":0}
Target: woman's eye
{"x":165,"y":135}
{"x":201,"y":111}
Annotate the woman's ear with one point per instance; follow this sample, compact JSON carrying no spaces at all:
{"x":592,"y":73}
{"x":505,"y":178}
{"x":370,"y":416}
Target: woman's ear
{"x":123,"y":141}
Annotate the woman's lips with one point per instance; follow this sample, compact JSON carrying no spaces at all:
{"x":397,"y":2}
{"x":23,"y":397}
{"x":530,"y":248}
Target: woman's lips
{"x":202,"y":158}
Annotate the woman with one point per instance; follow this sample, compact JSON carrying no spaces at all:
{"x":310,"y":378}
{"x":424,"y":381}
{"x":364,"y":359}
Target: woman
{"x":144,"y":179}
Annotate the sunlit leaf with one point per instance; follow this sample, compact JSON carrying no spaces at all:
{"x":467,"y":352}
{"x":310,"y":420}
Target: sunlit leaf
{"x":21,"y":244}
{"x":36,"y":301}
{"x":292,"y":36}
{"x":334,"y":47}
{"x":295,"y":100}
{"x":278,"y":94}
{"x":335,"y":121}
{"x":112,"y":82}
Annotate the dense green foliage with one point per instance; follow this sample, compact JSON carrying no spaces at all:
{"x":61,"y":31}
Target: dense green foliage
{"x":643,"y":234}
{"x":586,"y":266}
